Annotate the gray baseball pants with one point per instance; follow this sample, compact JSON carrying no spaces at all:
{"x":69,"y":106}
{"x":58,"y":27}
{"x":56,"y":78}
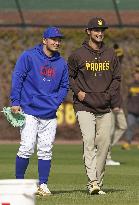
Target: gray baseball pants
{"x":119,"y":126}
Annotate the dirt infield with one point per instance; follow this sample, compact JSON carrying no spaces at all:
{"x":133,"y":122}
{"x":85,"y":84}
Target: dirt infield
{"x":62,"y":141}
{"x":68,"y":18}
{"x":56,"y":141}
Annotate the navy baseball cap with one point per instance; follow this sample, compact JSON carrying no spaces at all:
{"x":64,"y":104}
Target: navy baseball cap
{"x":97,"y":23}
{"x":52,"y":32}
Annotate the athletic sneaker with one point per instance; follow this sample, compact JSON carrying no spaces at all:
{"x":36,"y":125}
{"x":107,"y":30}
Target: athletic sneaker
{"x":93,"y":187}
{"x":43,"y":190}
{"x":112,"y":162}
{"x":101,"y":192}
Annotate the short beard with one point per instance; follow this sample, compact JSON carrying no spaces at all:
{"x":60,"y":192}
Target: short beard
{"x":95,"y":41}
{"x":97,"y":45}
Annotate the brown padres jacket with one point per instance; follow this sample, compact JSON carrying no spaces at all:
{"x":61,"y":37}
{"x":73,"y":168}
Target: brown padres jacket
{"x":97,"y":73}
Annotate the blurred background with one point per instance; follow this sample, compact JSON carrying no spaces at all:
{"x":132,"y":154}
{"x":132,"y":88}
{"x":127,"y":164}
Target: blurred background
{"x":73,"y":13}
{"x":21,"y":26}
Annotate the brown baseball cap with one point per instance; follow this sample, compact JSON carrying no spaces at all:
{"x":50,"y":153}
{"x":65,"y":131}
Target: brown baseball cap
{"x":97,"y":23}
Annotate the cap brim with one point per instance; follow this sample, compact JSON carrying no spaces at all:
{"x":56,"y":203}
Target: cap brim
{"x":106,"y":27}
{"x":54,"y":36}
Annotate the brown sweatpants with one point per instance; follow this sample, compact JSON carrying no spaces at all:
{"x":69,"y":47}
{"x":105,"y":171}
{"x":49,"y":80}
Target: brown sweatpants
{"x":96,"y":140}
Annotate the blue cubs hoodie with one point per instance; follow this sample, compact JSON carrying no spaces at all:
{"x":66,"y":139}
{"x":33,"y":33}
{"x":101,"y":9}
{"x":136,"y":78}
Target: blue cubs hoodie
{"x":39,"y":83}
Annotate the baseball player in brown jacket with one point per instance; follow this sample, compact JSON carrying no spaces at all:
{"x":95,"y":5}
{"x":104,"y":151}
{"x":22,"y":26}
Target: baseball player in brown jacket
{"x":95,"y":81}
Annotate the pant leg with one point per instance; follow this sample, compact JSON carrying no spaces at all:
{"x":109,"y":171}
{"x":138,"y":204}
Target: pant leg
{"x":112,"y":134}
{"x":131,"y":122}
{"x":28,"y":136}
{"x":103,"y":140}
{"x":121,"y":126}
{"x":27,"y":145}
{"x":46,"y":137}
{"x":87,"y":122}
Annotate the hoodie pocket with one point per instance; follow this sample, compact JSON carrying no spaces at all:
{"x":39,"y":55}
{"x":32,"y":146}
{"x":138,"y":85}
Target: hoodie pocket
{"x":97,"y":100}
{"x":45,"y":102}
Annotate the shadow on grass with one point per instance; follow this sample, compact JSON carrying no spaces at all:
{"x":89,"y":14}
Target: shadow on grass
{"x":113,"y":190}
{"x":69,"y":191}
{"x":85,"y":191}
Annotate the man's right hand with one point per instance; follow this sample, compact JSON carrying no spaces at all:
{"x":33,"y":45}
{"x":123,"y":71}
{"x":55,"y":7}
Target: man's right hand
{"x":81,"y":95}
{"x":116,"y":110}
{"x":16,"y":109}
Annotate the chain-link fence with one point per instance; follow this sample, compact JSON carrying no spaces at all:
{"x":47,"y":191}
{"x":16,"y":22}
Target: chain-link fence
{"x":73,"y":13}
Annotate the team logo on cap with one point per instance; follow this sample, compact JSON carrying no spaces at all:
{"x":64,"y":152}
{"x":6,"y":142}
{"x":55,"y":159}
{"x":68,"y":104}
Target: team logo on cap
{"x":100,"y":22}
{"x":56,"y":30}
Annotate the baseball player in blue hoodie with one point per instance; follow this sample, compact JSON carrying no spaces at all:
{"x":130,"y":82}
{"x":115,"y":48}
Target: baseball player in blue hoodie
{"x":39,"y":85}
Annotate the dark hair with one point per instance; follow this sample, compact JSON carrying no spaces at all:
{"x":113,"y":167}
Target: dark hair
{"x":115,"y":46}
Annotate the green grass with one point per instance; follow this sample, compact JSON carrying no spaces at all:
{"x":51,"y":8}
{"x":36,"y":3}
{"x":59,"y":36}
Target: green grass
{"x":67,"y":179}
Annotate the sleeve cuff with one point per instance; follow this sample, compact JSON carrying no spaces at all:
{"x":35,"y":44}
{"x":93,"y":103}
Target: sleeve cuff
{"x":15,"y":103}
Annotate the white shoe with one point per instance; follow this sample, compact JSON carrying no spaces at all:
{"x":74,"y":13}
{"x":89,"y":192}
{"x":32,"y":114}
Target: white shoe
{"x":112,"y":162}
{"x":101,"y":192}
{"x":43,"y":190}
{"x":93,"y":187}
